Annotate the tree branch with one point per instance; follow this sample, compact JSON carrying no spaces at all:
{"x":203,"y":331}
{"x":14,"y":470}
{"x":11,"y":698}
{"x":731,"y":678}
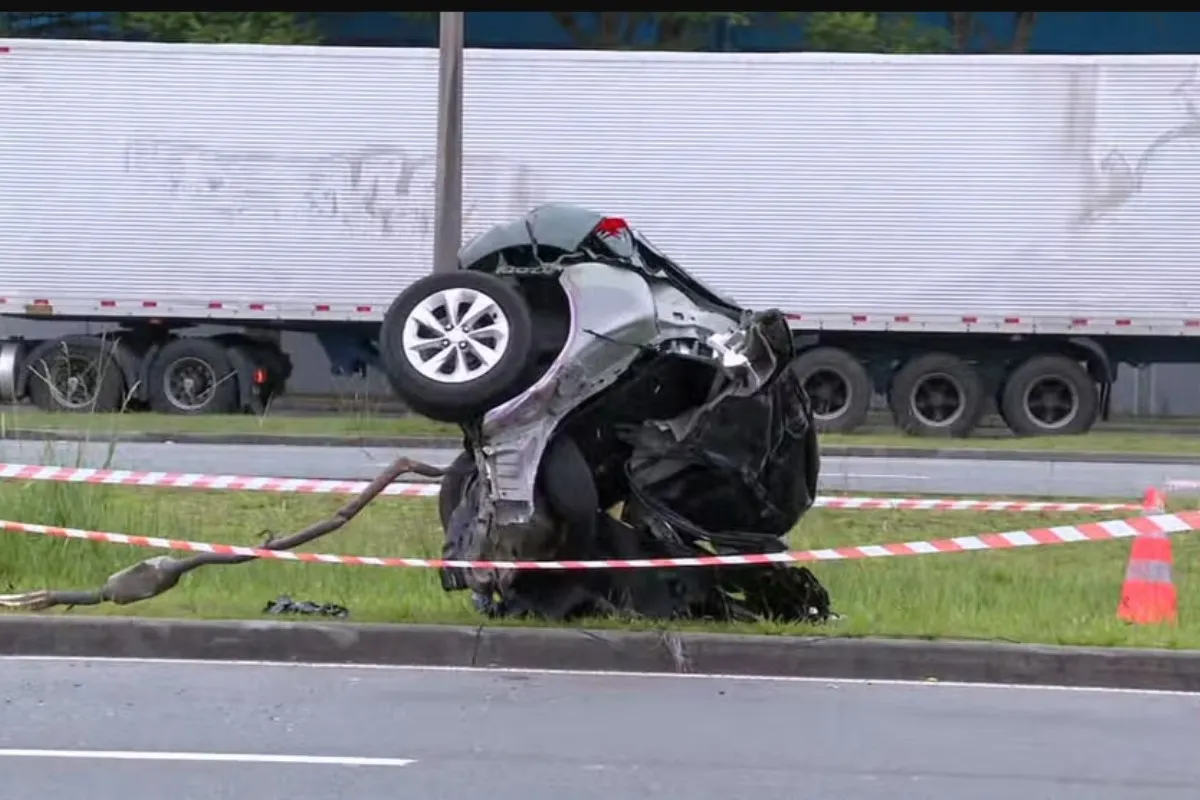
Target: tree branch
{"x":156,"y":575}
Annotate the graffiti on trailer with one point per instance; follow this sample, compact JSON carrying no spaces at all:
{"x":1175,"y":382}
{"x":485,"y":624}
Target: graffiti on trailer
{"x":374,"y":191}
{"x":1121,"y":177}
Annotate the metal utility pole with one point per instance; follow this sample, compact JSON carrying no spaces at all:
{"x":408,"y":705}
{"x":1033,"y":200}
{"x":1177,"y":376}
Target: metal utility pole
{"x":447,"y":226}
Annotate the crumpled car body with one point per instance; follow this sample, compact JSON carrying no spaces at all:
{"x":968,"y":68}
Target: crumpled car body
{"x":657,"y":418}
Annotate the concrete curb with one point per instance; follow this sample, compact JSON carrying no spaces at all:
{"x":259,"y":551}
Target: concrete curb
{"x":439,"y":443}
{"x":602,"y":651}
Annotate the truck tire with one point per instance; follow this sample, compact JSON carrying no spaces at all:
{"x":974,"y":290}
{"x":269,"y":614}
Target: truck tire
{"x":838,"y":386}
{"x":486,"y":355}
{"x":1049,"y":395}
{"x":192,"y":376}
{"x":79,"y":376}
{"x":937,"y":394}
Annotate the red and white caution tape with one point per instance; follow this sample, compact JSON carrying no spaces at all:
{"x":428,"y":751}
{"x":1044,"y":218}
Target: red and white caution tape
{"x":195,"y":480}
{"x":244,"y":483}
{"x":935,"y":504}
{"x":1061,"y":534}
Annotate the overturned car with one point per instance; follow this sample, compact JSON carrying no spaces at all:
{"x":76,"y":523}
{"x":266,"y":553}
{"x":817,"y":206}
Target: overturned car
{"x":612,"y":407}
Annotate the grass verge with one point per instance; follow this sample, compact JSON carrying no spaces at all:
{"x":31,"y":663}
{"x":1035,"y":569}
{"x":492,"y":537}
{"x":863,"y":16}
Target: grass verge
{"x":1056,"y":594}
{"x":352,"y":424}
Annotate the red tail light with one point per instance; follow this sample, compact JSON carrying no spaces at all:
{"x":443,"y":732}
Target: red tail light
{"x":612,"y":226}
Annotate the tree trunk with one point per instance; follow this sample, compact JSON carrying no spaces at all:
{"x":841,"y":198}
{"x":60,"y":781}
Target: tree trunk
{"x":961,"y":23}
{"x":1023,"y":30}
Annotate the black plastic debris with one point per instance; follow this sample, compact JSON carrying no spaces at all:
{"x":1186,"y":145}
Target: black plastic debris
{"x":286,"y":605}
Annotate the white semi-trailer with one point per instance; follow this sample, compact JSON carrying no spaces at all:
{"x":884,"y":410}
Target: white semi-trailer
{"x":949,"y":231}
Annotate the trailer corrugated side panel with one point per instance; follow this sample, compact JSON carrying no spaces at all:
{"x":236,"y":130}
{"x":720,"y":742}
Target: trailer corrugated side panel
{"x":877,"y":185}
{"x":270,"y":182}
{"x":824,"y":185}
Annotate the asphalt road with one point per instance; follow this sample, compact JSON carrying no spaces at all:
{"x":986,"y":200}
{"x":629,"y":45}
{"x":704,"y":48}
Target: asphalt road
{"x":856,"y":474}
{"x":104,"y":731}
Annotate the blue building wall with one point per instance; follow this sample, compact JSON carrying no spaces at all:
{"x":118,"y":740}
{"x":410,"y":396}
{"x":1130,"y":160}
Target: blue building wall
{"x":1086,"y":32}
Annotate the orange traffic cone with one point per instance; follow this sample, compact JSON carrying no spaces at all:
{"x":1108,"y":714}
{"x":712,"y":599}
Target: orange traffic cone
{"x":1148,"y":595}
{"x":1154,"y":501}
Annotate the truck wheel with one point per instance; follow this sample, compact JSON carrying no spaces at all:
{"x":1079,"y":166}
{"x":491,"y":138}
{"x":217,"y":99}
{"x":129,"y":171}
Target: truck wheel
{"x":1049,"y":395}
{"x":838,"y":386}
{"x":937,"y":394}
{"x":192,"y":376}
{"x":76,"y":376}
{"x":455,"y":345}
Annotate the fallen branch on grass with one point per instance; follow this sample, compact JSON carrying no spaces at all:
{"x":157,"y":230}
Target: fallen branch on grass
{"x":154,"y":576}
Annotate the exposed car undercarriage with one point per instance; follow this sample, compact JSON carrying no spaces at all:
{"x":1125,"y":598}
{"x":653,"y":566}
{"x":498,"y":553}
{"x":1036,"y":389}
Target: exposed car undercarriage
{"x":662,"y":464}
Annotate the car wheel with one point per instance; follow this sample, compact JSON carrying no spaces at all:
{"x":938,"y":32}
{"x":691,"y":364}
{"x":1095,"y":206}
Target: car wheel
{"x":455,"y":345}
{"x":937,"y":394}
{"x":1049,"y":396}
{"x":838,"y":387}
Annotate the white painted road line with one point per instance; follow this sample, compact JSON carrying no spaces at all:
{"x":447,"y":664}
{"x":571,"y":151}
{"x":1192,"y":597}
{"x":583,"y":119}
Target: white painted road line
{"x":882,"y":476}
{"x":232,"y":758}
{"x":174,"y":663}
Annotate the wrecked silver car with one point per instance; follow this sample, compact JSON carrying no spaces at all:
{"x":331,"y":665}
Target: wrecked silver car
{"x":612,"y":406}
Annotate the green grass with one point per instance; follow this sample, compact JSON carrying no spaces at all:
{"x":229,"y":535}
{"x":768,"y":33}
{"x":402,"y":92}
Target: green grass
{"x":351,"y":424}
{"x":1056,"y":594}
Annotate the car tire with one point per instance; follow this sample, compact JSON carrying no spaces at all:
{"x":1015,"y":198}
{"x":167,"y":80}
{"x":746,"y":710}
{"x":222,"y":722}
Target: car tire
{"x":1060,"y":377}
{"x":838,"y":387}
{"x":454,"y":485}
{"x":474,"y":386}
{"x":206,"y":362}
{"x":937,"y":394}
{"x":564,"y":479}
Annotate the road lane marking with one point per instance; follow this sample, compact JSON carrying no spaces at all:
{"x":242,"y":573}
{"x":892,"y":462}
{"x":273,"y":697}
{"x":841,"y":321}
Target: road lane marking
{"x":886,"y":475}
{"x":232,"y":758}
{"x":175,"y":663}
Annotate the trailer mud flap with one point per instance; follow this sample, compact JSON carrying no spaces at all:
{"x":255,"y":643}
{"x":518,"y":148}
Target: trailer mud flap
{"x":1100,"y":367}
